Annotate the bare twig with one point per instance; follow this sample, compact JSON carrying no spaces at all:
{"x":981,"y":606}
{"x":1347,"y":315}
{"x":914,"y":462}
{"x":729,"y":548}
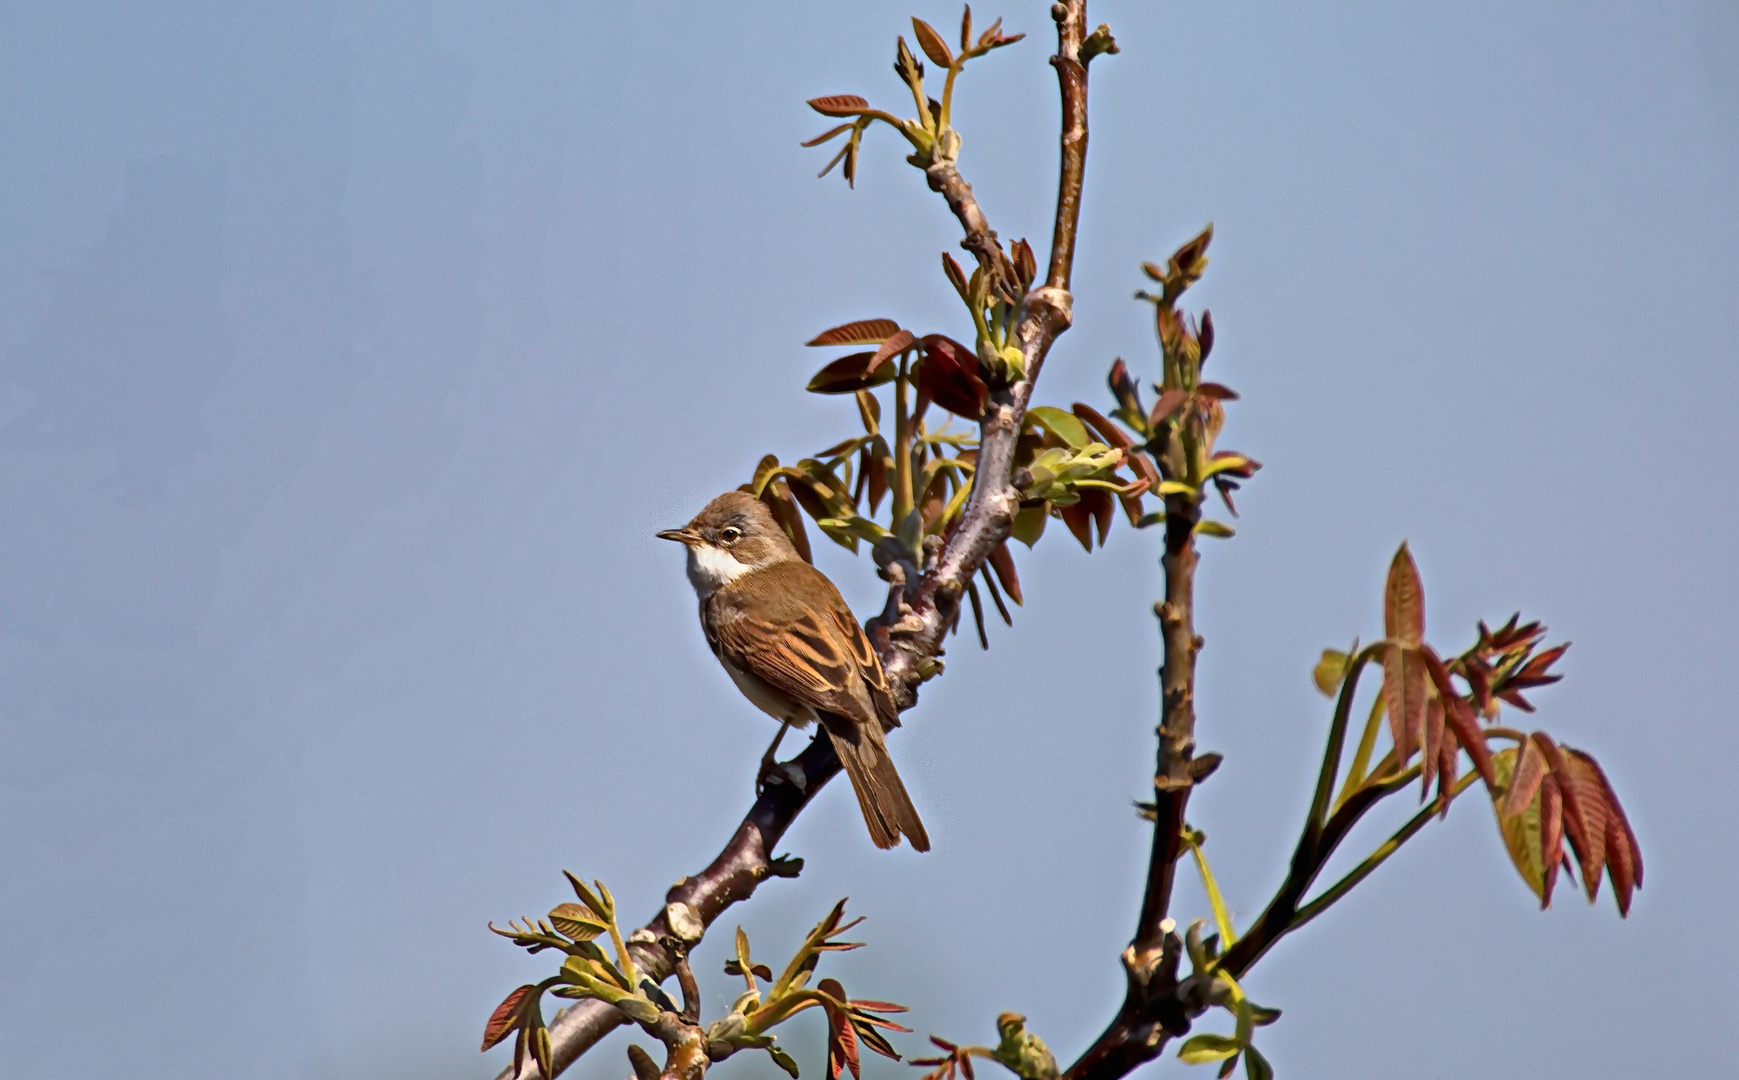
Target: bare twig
{"x":1155,"y":1005}
{"x":910,"y":645}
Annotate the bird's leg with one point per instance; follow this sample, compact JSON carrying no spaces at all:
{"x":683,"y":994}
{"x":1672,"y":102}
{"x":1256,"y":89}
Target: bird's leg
{"x":770,"y":772}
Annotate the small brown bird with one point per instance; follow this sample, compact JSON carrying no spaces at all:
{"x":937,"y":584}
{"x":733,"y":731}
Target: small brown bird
{"x":784,"y":634}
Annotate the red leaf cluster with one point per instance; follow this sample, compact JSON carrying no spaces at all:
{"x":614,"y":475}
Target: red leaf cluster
{"x":954,"y":1061}
{"x":1576,"y":804}
{"x":948,"y":374}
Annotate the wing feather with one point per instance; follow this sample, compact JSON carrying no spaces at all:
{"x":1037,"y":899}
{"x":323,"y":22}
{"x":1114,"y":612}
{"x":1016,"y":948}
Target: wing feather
{"x":819,"y":661}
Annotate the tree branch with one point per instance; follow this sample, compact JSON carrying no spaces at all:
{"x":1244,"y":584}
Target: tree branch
{"x":1155,"y":1005}
{"x":910,"y":645}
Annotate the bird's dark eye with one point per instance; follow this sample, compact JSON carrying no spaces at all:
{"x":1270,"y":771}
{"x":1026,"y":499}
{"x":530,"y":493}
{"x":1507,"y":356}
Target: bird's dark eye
{"x":730,"y":534}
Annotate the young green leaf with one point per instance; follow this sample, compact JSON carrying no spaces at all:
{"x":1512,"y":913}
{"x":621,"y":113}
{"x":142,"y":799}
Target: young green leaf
{"x":1204,"y":1049}
{"x":1065,"y":426}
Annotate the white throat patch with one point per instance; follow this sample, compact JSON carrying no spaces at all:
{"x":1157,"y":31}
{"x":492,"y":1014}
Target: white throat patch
{"x":710,"y":567}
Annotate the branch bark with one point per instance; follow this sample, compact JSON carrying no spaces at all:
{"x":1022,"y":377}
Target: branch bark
{"x":1155,"y":1005}
{"x":921,"y":607}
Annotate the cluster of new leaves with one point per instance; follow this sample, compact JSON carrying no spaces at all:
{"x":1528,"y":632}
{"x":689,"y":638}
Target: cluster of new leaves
{"x":1543,"y":793}
{"x":1018,"y":1050}
{"x":931,"y":132}
{"x":588,"y":972}
{"x":851,"y":1023}
{"x":1222,"y":990}
{"x":1172,"y":450}
{"x":923,"y":470}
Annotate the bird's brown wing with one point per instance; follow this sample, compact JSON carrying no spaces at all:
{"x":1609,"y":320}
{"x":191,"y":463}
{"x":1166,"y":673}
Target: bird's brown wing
{"x":869,"y":666}
{"x":804,"y":654}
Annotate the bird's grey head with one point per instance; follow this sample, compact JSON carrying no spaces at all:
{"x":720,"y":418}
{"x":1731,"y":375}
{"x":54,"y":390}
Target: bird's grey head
{"x":733,"y":535}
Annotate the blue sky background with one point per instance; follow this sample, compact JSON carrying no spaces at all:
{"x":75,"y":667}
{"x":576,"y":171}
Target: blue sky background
{"x":350,"y":354}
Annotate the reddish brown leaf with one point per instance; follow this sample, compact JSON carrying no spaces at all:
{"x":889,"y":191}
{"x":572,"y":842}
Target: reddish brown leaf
{"x":1099,"y":503}
{"x":1515,"y":699}
{"x":1143,"y":465}
{"x":1123,"y":387}
{"x":1431,"y":759}
{"x":1525,"y":781}
{"x":1591,"y":798}
{"x":1025,"y":264}
{"x":934,"y":500}
{"x":1206,"y":334}
{"x":1581,"y":827}
{"x":1471,"y":737}
{"x":1191,"y":259}
{"x":948,"y":373}
{"x":1621,"y":865}
{"x":1479,"y":681}
{"x":841,"y":1042}
{"x":1079,"y":519}
{"x":838,"y":105}
{"x":877,"y":468}
{"x":870,"y":1005}
{"x":861,"y":332}
{"x":897,"y":343}
{"x":505,"y":1017}
{"x":1111,"y":433}
{"x":1535,"y":673}
{"x":1169,"y":402}
{"x":1616,"y":816}
{"x":1404,"y":679}
{"x":828,"y":134}
{"x":1623,"y":854}
{"x":1404,"y":601}
{"x":956,"y":276}
{"x":1217,"y":392}
{"x":1448,"y":767}
{"x":1002,"y":561}
{"x":996,"y":595}
{"x":849,"y":374}
{"x":1551,"y":836}
{"x":1132,"y":505}
{"x":932,"y":44}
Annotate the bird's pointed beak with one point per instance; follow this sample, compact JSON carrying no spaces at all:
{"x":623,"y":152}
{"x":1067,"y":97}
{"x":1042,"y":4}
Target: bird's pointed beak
{"x":681,"y":536}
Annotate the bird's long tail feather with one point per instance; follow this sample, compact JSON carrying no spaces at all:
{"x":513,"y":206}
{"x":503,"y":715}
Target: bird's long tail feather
{"x":887,"y":809}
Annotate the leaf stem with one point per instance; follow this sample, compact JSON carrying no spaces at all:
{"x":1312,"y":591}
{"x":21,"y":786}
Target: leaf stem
{"x":1319,"y":804}
{"x":1222,"y":917}
{"x":1376,"y":858}
{"x":902,"y":447}
{"x":1362,"y":757}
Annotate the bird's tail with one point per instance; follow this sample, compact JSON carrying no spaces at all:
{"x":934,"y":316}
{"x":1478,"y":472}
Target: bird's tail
{"x":887,"y":809}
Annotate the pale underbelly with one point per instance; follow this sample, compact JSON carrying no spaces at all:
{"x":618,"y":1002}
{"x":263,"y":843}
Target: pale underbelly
{"x":770,"y":701}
